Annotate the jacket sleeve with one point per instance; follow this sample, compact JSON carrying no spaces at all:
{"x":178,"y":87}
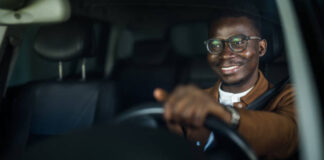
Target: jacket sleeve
{"x":272,"y":133}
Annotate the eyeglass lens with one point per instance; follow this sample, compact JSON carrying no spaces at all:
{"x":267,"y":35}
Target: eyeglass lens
{"x":236,"y":44}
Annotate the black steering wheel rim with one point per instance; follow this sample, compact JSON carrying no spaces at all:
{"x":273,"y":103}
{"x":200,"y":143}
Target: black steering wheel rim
{"x":214,"y":124}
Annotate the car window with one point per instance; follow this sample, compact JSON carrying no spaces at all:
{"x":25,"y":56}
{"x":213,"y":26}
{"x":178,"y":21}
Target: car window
{"x":140,"y":46}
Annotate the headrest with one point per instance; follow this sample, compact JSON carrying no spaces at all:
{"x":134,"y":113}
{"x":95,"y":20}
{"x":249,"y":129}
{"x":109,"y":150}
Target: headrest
{"x":65,"y":41}
{"x":188,"y":39}
{"x":150,"y":52}
{"x":272,"y":33}
{"x":125,"y":50}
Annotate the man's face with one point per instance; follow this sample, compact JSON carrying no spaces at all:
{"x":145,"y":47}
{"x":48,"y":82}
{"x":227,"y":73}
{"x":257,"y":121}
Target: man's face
{"x":240,"y":67}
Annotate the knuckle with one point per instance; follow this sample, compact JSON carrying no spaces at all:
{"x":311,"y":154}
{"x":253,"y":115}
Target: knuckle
{"x":186,"y":115}
{"x":192,"y":86}
{"x":179,"y":88}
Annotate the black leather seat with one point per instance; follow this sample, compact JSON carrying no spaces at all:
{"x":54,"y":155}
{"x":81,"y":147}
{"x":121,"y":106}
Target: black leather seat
{"x":188,"y":44}
{"x":273,"y":63}
{"x":150,"y":66}
{"x":55,"y":107}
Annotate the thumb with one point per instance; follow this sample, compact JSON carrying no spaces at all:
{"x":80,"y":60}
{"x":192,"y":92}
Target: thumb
{"x":160,"y":94}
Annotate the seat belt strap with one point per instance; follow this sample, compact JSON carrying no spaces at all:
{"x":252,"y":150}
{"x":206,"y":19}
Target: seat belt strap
{"x":260,"y":102}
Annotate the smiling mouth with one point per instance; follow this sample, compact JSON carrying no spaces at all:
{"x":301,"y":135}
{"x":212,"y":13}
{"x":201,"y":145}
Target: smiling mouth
{"x":230,"y":69}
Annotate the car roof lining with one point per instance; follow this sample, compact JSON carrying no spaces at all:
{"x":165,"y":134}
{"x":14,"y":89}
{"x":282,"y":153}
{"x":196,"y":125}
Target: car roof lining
{"x":156,"y":12}
{"x":12,"y":4}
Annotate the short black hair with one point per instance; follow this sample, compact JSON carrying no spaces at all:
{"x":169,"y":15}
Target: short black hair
{"x":238,"y":10}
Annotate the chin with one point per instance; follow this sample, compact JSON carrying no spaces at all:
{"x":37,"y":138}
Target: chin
{"x":232,"y":80}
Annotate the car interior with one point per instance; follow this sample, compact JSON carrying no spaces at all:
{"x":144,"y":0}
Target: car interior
{"x":107,"y":58}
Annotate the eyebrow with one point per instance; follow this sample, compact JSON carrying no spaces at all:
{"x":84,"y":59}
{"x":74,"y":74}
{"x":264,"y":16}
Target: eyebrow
{"x":227,"y":37}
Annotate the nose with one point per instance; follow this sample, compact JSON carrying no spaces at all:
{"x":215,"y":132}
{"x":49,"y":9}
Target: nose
{"x":227,"y":52}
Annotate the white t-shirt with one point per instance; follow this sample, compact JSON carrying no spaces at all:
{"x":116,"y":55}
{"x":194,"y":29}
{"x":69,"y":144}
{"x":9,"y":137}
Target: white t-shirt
{"x":228,"y":99}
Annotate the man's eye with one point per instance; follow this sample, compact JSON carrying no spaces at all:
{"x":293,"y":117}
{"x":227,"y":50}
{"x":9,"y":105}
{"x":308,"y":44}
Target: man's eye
{"x":216,"y":44}
{"x":237,"y":39}
{"x":237,"y":42}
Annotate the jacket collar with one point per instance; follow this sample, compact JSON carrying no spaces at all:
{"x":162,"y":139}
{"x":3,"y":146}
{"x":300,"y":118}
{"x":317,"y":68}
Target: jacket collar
{"x":261,"y":86}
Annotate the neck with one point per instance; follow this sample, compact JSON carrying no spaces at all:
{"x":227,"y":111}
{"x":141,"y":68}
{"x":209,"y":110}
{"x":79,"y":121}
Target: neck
{"x":242,"y":85}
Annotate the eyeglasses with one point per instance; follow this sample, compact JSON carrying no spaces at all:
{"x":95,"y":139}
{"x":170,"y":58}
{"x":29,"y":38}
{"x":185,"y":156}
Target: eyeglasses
{"x":236,"y":43}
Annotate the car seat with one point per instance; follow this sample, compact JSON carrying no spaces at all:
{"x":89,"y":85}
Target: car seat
{"x":148,"y":67}
{"x":55,"y":107}
{"x":187,"y":41}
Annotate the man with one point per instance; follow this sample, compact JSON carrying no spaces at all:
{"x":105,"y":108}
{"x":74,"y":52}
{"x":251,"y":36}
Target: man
{"x":234,"y":47}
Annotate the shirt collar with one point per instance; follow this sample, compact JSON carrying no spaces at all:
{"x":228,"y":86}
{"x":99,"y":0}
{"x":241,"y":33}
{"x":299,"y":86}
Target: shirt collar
{"x":228,"y":98}
{"x":241,"y":94}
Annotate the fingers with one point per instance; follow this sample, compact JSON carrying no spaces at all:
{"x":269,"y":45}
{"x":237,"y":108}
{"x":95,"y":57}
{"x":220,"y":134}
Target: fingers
{"x":160,"y":95}
{"x":199,"y":117}
{"x":187,"y":106}
{"x":175,"y":128}
{"x":174,"y":103}
{"x":183,"y":111}
{"x":195,"y":114}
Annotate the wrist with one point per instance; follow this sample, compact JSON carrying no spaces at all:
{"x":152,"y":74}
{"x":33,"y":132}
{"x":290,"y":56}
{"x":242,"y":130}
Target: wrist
{"x":227,"y":116}
{"x":234,"y":116}
{"x":221,"y":112}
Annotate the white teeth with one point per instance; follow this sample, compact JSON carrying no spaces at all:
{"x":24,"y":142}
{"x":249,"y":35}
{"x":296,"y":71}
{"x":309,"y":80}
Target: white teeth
{"x":228,"y":68}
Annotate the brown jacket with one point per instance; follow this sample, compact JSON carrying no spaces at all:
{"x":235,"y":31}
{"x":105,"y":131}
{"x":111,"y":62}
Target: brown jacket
{"x":272,"y":132}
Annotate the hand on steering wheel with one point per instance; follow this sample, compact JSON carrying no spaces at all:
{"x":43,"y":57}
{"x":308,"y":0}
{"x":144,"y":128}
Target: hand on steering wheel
{"x":186,"y":109}
{"x":194,"y":110}
{"x":227,"y":142}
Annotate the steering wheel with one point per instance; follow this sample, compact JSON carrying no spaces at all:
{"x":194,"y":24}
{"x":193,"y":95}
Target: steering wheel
{"x":228,"y":144}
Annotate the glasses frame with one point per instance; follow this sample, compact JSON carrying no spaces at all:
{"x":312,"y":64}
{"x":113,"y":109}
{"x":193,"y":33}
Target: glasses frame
{"x":246,"y":38}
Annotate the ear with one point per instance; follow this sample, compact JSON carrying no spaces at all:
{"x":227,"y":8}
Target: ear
{"x":262,"y":47}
